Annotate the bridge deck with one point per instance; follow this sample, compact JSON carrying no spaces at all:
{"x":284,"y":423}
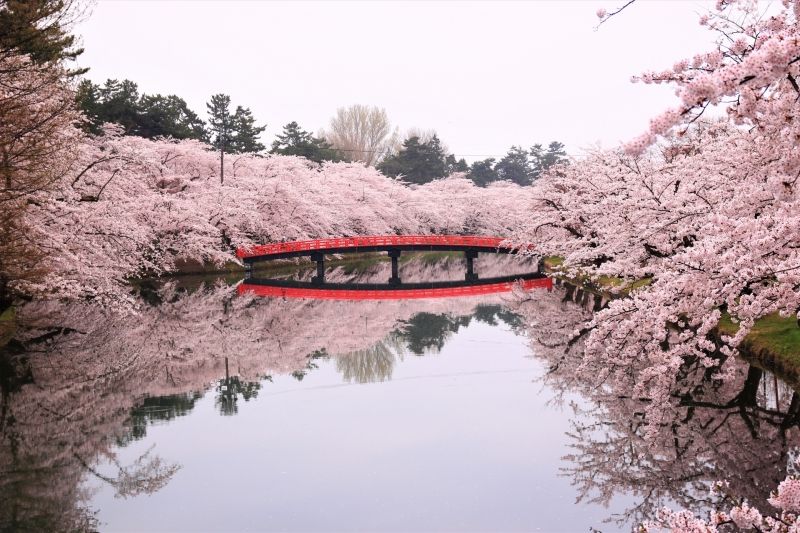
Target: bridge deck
{"x":372,"y":243}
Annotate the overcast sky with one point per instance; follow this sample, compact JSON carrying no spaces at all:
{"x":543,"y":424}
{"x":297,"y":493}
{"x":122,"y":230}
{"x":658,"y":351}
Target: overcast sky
{"x":485,"y":76}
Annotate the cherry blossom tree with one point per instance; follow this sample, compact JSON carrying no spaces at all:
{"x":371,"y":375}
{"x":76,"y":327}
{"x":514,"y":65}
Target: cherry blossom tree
{"x":709,"y":217}
{"x":36,"y":139}
{"x":706,"y":214}
{"x":132,"y":207}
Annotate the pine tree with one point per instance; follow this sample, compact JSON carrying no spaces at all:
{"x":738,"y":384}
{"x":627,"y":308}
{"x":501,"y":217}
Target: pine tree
{"x":220,"y":124}
{"x":87,"y":96}
{"x":120,"y":104}
{"x":168,"y":116}
{"x":544,"y":159}
{"x":515,"y":167}
{"x":417,"y":162}
{"x":146,"y":115}
{"x":244,"y":132}
{"x":452,"y":165}
{"x":37,"y":28}
{"x":295,"y":141}
{"x":482,"y":173}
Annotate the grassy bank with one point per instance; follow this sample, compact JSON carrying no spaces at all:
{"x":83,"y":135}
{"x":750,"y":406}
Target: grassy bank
{"x":773,"y":343}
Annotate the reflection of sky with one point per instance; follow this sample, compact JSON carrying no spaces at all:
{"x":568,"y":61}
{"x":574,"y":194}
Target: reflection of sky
{"x":460,"y":440}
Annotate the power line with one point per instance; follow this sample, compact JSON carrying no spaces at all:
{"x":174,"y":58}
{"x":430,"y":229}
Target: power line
{"x":454,"y":155}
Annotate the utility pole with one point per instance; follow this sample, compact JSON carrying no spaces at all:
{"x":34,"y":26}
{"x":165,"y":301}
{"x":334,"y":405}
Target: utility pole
{"x":222,"y":152}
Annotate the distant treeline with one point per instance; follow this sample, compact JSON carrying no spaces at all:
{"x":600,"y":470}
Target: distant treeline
{"x":418,"y":159}
{"x":421,"y":162}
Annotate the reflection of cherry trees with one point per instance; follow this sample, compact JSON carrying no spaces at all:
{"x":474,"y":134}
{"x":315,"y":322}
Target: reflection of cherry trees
{"x":148,"y":473}
{"x":742,"y":429}
{"x":78,"y":381}
{"x":85,"y":381}
{"x":719,"y":433}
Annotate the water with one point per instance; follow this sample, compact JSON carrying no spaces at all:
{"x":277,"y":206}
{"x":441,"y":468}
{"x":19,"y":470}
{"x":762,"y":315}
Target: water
{"x":211,"y":411}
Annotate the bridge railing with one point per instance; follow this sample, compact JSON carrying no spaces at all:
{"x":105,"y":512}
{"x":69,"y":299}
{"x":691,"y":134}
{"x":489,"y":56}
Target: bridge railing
{"x":361,"y":242}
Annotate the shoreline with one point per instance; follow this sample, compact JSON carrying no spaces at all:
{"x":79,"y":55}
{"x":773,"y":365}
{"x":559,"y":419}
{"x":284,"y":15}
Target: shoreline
{"x":773,"y":344}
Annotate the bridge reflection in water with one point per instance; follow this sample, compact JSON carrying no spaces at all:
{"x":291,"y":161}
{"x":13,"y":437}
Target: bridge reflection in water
{"x":394,"y":289}
{"x":375,"y":291}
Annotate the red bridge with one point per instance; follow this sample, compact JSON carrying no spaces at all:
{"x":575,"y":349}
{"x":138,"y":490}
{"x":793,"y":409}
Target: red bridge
{"x":373,"y":244}
{"x":393,"y":244}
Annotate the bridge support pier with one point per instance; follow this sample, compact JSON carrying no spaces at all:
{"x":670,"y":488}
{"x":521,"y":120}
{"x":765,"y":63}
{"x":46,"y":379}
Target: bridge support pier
{"x":470,"y":256}
{"x":395,"y":255}
{"x":319,"y":258}
{"x":248,"y":270}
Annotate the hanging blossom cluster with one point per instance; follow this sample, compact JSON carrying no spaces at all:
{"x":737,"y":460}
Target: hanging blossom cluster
{"x":752,"y":72}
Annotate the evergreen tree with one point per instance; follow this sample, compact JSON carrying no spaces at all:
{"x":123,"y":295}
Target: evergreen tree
{"x":236,"y":133}
{"x":168,"y":116}
{"x":515,"y":166}
{"x":417,"y":162}
{"x":295,"y":141}
{"x":36,"y":28}
{"x":146,"y":115}
{"x":87,"y":96}
{"x":120,"y":104}
{"x":452,"y":166}
{"x":244,"y":132}
{"x":483,"y":172}
{"x":220,"y":125}
{"x":220,"y":122}
{"x":544,"y":159}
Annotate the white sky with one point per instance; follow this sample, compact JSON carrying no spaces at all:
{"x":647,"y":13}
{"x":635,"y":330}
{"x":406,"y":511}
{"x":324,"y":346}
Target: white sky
{"x":485,"y":76}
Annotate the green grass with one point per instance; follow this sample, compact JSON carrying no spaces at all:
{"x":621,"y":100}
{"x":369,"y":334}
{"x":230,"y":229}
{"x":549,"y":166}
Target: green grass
{"x":772,"y":333}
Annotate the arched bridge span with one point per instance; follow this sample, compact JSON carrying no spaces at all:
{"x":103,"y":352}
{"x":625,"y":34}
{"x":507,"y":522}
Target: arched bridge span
{"x":341,"y":245}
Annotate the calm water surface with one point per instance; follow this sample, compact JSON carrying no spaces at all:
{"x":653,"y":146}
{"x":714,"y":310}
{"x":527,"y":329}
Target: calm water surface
{"x":210,"y":411}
